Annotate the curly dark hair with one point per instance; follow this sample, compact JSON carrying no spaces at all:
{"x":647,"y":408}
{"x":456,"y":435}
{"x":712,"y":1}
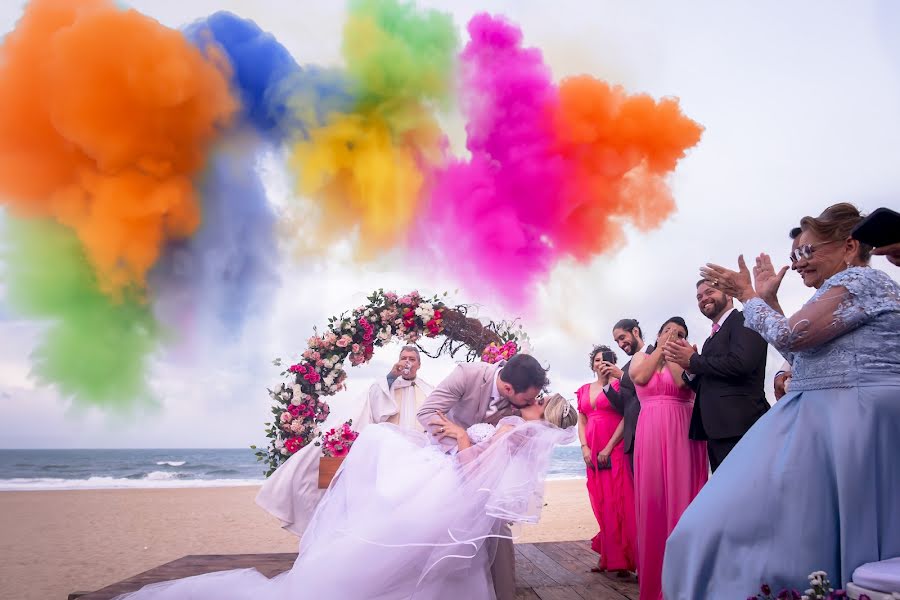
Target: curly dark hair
{"x":597,"y":350}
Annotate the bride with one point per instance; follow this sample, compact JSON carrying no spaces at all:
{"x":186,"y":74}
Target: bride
{"x":404,"y":520}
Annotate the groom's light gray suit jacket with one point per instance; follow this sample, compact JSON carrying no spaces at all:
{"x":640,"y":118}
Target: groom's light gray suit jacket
{"x":464,"y":397}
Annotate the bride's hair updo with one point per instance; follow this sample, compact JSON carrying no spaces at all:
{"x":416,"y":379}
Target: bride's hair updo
{"x":558,"y":411}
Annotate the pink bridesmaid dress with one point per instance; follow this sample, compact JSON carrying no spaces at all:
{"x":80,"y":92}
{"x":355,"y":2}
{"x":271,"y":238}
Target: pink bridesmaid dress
{"x":669,"y":470}
{"x":611,"y":490}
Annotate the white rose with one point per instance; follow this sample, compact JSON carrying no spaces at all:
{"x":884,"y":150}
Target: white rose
{"x":284,"y":451}
{"x":279,"y":444}
{"x":318,"y":387}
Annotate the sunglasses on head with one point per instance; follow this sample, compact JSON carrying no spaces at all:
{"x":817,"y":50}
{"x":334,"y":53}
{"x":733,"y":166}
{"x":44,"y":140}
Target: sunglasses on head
{"x":806,"y":251}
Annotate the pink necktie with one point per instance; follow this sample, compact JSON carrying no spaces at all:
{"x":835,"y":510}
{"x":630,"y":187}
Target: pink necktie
{"x":714,"y":329}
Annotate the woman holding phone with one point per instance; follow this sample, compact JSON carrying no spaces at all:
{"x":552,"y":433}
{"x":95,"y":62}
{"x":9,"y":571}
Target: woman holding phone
{"x":610,"y":488}
{"x":669,"y":468}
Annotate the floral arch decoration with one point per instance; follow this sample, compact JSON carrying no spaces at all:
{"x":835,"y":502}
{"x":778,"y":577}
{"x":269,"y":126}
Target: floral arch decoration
{"x":299,"y":403}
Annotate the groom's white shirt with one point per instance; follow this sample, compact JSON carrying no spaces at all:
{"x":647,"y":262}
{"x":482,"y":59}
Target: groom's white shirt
{"x":494,"y":406}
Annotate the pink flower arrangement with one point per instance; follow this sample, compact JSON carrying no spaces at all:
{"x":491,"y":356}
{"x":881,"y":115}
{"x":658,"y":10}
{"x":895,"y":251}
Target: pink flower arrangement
{"x":494,"y":353}
{"x":337,"y":442}
{"x":299,"y":405}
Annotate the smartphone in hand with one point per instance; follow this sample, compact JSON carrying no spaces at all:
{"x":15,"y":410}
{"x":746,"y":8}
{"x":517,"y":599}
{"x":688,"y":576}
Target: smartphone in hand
{"x":881,"y":228}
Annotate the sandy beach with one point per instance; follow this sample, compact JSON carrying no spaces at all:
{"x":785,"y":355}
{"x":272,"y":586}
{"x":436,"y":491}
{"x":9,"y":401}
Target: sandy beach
{"x":57,"y":542}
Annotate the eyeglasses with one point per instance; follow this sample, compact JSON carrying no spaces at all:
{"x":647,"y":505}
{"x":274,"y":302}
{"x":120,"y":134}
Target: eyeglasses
{"x":806,"y":251}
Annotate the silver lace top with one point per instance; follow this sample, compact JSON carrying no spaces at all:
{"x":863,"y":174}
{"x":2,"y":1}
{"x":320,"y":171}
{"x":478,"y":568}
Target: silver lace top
{"x":837,"y":347}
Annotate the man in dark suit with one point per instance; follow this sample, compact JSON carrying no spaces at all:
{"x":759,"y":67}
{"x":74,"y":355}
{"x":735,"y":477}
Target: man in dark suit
{"x":628,"y":335}
{"x":728,"y":376}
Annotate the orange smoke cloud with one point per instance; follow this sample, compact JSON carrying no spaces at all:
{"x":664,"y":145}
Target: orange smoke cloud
{"x":105,"y":118}
{"x":620,"y":148}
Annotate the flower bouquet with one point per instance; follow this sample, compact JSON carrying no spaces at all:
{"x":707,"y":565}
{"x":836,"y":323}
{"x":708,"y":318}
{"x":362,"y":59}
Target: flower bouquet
{"x":335,"y":444}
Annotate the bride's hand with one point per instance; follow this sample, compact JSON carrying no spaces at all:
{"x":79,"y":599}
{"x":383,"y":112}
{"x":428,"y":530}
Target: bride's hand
{"x":447,"y":428}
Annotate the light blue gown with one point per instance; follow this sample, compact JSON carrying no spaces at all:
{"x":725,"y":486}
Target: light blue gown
{"x":815,"y":484}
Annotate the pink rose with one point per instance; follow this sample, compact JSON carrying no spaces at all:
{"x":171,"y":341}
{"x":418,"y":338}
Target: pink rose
{"x":293,"y":444}
{"x":343,"y":342}
{"x":286,"y":417}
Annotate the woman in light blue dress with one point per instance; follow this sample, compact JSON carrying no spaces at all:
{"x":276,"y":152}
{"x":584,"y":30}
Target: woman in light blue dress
{"x":815,"y":484}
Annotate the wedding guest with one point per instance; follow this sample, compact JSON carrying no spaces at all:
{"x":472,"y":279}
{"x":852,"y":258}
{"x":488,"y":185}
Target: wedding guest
{"x":398,"y":397}
{"x":891,"y":252}
{"x":630,"y":339}
{"x":610,"y":486}
{"x":728,"y":376}
{"x":814,"y":485}
{"x":669,"y":467}
{"x":782,"y":380}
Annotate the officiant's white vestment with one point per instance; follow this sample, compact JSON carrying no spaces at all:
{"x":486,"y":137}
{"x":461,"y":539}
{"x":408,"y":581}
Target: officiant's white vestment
{"x":291,"y":493}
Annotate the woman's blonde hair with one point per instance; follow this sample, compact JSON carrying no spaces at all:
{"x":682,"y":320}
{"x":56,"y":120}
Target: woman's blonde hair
{"x":836,"y":224}
{"x":558,"y":411}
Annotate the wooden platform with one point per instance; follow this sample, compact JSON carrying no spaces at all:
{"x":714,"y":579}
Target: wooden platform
{"x":546,"y":571}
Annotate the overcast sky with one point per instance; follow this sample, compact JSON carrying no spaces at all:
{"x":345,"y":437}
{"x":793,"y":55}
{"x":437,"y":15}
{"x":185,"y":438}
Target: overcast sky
{"x":800,"y":103}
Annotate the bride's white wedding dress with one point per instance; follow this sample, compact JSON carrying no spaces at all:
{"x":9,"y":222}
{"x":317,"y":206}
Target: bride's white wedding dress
{"x":403,"y":520}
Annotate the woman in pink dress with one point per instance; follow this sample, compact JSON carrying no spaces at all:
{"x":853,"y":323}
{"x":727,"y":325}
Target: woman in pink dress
{"x":609,"y":485}
{"x":669,"y":468}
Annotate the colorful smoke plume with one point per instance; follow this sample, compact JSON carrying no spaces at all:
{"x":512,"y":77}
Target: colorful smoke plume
{"x":96,"y":349}
{"x":365,"y":168}
{"x":129,"y":158}
{"x":554,"y":170}
{"x":105,"y":118}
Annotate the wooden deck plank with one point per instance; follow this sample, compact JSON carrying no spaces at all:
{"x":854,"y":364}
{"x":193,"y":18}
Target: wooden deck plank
{"x":569,"y":560}
{"x":529,"y":575}
{"x":548,"y":565}
{"x":600,"y":592}
{"x":558,"y":592}
{"x":587,"y":560}
{"x":600,"y":585}
{"x":544,"y":571}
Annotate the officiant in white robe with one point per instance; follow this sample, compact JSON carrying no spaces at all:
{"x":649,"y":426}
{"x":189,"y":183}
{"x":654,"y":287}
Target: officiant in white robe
{"x":292,"y":492}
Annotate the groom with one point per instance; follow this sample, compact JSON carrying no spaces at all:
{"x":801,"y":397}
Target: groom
{"x":479,"y":393}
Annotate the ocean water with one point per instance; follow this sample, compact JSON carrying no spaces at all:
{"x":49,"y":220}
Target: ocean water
{"x":167,"y":468}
